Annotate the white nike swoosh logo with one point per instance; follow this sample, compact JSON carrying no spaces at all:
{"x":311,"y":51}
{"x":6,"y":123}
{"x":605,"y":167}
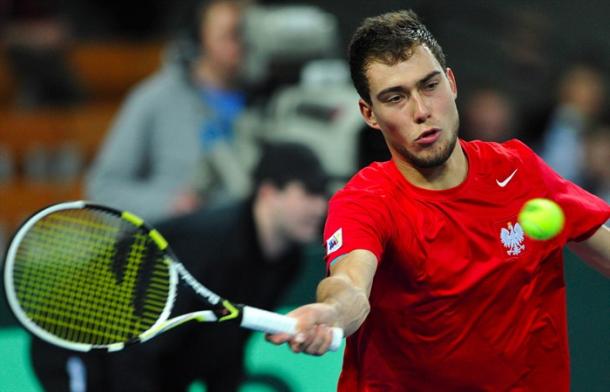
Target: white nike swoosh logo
{"x":502,"y":184}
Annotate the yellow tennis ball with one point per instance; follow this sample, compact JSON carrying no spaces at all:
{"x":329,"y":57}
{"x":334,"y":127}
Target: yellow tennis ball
{"x":541,"y":219}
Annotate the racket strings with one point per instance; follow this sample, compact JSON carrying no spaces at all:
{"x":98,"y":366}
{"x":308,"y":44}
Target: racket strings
{"x":38,"y":272}
{"x":73,"y":281}
{"x":70,"y":296}
{"x":149,"y":260}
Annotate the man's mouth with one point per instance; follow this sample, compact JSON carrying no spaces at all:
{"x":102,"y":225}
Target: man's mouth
{"x":428,"y":137}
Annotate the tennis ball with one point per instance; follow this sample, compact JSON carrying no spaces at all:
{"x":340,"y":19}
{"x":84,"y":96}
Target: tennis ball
{"x":541,"y":219}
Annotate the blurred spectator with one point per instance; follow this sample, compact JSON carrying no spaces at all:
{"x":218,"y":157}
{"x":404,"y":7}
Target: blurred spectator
{"x":597,"y":161}
{"x":488,"y":115}
{"x":37,"y":40}
{"x":174,"y":144}
{"x":581,"y":96}
{"x":249,"y":251}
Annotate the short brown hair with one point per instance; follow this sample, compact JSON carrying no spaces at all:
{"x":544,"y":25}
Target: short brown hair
{"x":388,"y":38}
{"x":198,"y":12}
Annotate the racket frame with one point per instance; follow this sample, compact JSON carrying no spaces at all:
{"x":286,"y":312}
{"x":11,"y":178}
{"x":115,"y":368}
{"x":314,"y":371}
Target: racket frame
{"x":21,"y":316}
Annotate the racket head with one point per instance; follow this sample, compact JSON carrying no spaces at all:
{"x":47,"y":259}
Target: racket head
{"x":84,"y":276}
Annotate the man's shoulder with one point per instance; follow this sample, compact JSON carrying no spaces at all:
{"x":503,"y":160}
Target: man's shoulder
{"x":373,"y":177}
{"x":162,"y":86}
{"x":373,"y":181}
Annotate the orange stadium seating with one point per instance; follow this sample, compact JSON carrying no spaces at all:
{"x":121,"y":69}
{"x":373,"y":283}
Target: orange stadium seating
{"x":107,"y":70}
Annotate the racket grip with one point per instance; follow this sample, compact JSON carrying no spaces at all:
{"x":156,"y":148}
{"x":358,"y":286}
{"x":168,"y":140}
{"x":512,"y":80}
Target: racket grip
{"x":269,"y":322}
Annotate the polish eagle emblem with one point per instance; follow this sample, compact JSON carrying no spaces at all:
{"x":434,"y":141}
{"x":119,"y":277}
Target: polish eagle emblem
{"x":512,"y":238}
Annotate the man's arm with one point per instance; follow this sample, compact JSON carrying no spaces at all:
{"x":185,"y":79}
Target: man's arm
{"x":595,"y":250}
{"x":343,"y":301}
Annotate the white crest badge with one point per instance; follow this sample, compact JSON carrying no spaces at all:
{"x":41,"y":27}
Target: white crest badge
{"x":512,"y":238}
{"x":334,"y":242}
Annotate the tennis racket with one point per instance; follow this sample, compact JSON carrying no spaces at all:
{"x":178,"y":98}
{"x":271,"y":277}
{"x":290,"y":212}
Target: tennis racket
{"x":84,"y":276}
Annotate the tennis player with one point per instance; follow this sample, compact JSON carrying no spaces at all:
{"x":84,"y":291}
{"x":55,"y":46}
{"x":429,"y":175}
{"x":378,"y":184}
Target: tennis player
{"x":433,"y":295}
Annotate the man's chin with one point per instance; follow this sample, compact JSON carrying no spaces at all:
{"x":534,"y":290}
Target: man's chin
{"x":435,"y":158}
{"x":431,"y":162}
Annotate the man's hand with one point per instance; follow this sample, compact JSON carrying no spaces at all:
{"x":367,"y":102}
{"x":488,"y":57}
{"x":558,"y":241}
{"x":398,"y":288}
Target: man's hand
{"x":314,"y":334}
{"x":342,"y":302}
{"x":185,"y":202}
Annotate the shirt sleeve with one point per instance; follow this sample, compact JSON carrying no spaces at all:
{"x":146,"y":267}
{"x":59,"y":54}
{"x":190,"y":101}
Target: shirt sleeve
{"x":584,"y":212}
{"x":356,"y":220}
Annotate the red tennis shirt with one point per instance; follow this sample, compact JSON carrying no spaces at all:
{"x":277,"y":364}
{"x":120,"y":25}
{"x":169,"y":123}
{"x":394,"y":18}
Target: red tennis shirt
{"x":461,"y":300}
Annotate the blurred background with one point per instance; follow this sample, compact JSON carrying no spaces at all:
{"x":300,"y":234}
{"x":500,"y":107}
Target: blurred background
{"x":533,"y":70}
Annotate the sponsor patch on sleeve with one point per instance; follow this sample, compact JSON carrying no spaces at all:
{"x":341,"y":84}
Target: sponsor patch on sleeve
{"x":334,"y":242}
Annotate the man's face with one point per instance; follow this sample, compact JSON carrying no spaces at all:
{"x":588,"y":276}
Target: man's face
{"x":299,"y":213}
{"x":413,"y":104}
{"x":222,"y":43}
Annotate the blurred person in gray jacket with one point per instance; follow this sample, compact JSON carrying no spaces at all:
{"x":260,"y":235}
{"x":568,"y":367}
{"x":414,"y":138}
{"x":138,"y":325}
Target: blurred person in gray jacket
{"x":174,"y":146}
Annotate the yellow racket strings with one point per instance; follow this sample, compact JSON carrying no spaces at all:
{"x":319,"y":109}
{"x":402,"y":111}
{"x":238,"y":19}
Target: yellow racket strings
{"x":87,"y":276}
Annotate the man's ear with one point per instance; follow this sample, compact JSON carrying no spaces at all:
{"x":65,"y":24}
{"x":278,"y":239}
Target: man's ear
{"x":367,"y":113}
{"x":452,"y":82}
{"x":267,"y":190}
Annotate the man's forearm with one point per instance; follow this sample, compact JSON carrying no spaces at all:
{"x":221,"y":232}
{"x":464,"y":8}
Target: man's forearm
{"x":350,"y":303}
{"x":595,"y":251}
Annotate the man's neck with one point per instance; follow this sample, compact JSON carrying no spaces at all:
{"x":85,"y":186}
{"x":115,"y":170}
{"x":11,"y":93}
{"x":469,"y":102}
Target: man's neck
{"x":206,"y":74}
{"x":272,"y":242}
{"x":446,"y":176}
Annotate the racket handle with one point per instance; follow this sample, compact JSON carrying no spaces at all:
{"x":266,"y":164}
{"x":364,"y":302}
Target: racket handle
{"x":269,"y":322}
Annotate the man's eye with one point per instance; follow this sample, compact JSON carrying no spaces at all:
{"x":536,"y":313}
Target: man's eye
{"x":431,"y":86}
{"x":394,"y":98}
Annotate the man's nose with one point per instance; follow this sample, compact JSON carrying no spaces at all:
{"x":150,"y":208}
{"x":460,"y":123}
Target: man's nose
{"x":421,"y":112}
